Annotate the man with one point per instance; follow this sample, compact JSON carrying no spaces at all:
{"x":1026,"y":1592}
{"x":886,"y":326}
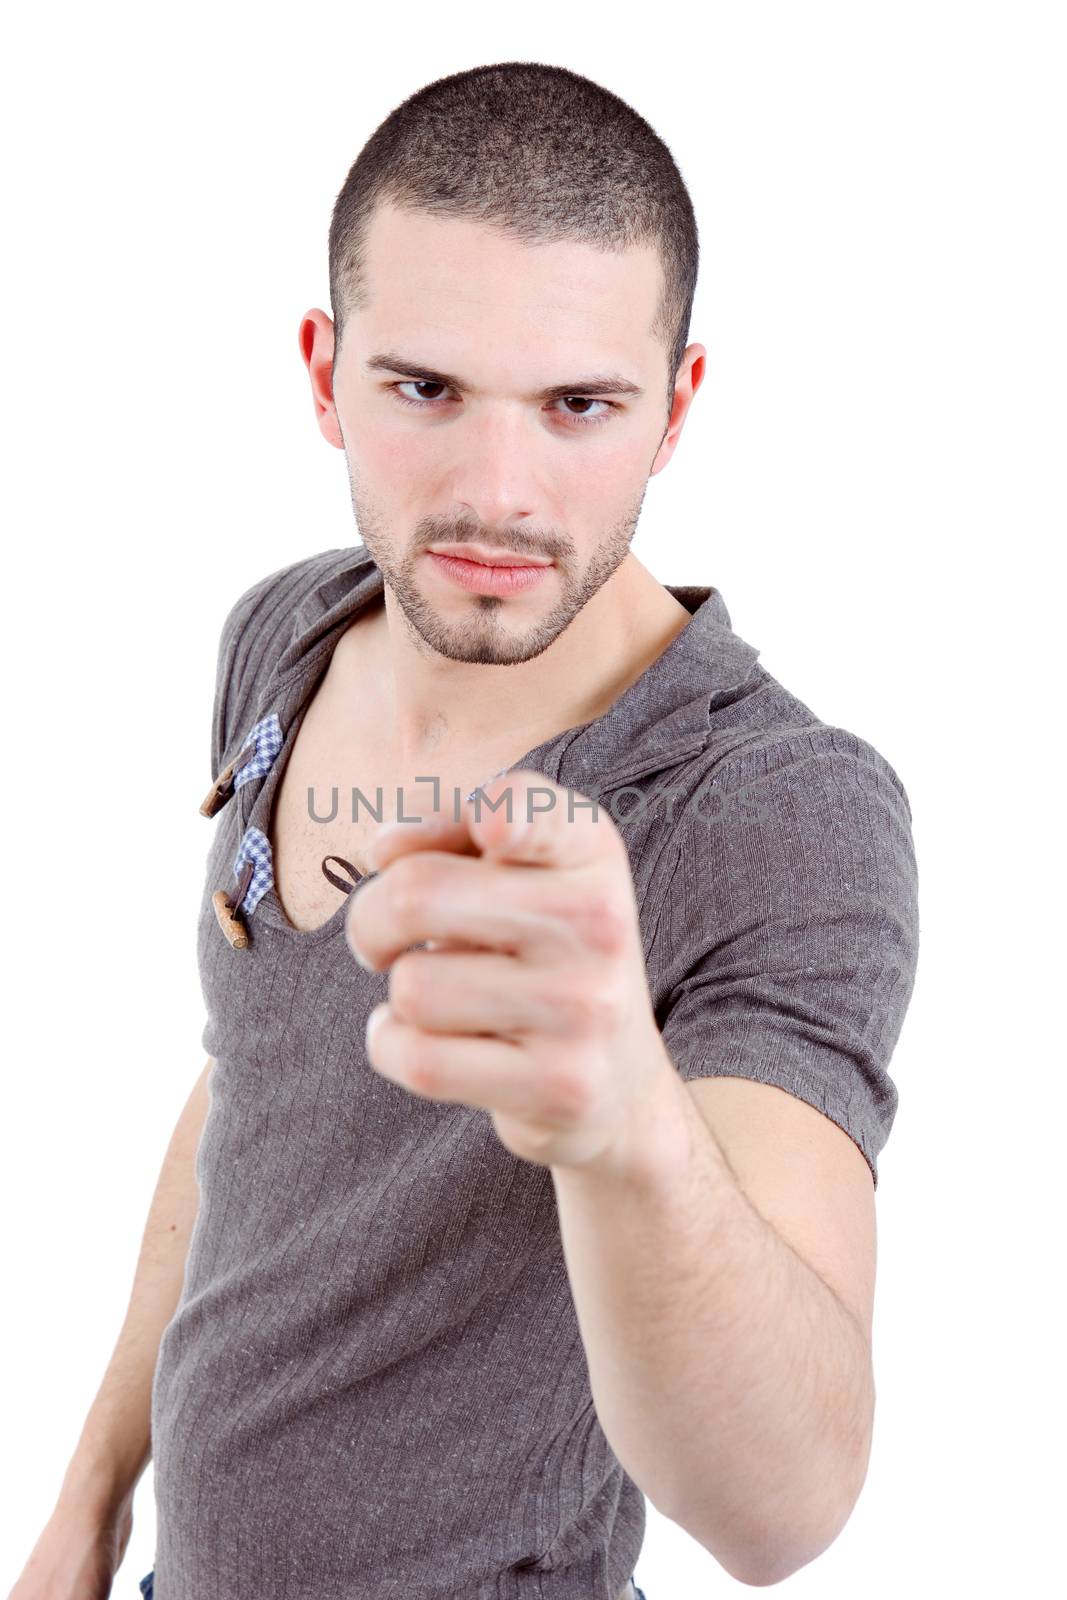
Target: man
{"x":539,"y":1170}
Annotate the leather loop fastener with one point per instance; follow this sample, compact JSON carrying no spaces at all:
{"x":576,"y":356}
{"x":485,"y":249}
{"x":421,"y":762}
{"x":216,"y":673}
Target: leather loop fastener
{"x":223,"y":787}
{"x":339,"y":883}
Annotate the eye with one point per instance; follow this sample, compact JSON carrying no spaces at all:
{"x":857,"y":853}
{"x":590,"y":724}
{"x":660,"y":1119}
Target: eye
{"x":419,"y":383}
{"x":587,"y":400}
{"x":433,"y":402}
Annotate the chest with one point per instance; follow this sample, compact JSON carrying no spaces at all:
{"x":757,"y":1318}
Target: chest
{"x":337,"y":789}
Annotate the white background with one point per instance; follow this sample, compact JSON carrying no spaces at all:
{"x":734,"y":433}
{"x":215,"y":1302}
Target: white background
{"x":872,"y":474}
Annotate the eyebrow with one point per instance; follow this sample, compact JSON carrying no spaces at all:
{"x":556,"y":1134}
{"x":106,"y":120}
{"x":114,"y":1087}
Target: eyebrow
{"x":601,"y":383}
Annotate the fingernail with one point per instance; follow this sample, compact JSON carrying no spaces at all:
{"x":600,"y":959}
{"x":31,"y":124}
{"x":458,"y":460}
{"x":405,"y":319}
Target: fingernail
{"x":376,"y":1018}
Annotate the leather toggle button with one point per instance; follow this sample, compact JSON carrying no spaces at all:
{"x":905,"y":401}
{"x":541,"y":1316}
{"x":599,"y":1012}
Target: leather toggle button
{"x":235,"y":931}
{"x":223,"y":787}
{"x":226,"y":906}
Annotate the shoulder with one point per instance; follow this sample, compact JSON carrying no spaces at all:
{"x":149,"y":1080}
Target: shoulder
{"x":820,"y":760}
{"x":264,"y":610}
{"x":766,"y":749}
{"x":812,"y":804}
{"x":255,"y":630}
{"x":799,"y":844}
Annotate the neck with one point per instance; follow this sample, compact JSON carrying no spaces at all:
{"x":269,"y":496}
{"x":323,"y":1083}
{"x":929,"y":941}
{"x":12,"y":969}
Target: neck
{"x":432,"y":705}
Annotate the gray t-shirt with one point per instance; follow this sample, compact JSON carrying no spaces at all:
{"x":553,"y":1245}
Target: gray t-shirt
{"x":374,"y":1384}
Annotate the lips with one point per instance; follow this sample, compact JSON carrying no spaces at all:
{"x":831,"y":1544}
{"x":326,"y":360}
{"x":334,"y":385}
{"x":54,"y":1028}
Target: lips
{"x":489,"y":558}
{"x":501,"y":576}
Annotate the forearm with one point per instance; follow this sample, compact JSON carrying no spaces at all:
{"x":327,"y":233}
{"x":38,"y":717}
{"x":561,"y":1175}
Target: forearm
{"x":115,"y":1443}
{"x":732,"y":1384}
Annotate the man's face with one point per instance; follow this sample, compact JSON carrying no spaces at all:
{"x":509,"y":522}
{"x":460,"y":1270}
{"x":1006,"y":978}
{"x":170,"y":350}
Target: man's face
{"x":488,"y":460}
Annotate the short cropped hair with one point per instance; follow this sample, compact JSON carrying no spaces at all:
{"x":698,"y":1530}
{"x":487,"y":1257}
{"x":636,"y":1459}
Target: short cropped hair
{"x":537,"y":151}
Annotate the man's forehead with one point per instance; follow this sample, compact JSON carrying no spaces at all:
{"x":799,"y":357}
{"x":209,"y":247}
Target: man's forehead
{"x":481,"y":270}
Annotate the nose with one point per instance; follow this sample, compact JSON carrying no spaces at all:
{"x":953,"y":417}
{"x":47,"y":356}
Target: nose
{"x":494,"y":475}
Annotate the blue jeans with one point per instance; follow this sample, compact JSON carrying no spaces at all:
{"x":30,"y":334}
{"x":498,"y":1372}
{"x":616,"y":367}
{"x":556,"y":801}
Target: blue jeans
{"x":145,"y":1586}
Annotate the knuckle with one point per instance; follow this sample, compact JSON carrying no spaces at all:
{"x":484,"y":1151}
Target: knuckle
{"x":417,"y":1064}
{"x":409,"y":885}
{"x":603,"y":920}
{"x":587,"y":1007}
{"x":407,"y":986}
{"x":567,"y":1093}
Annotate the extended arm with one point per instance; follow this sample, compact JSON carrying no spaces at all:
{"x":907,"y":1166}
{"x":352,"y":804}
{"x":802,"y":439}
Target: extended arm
{"x":732,"y":1379}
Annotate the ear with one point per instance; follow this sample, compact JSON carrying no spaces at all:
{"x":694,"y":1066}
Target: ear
{"x":690,"y":377}
{"x":317,"y":349}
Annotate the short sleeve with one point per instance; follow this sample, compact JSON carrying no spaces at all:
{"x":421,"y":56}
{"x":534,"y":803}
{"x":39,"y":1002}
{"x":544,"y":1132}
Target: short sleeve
{"x":791,"y":930}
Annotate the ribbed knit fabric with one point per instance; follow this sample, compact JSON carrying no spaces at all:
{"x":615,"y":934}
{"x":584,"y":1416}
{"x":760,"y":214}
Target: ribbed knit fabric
{"x":374,"y":1385}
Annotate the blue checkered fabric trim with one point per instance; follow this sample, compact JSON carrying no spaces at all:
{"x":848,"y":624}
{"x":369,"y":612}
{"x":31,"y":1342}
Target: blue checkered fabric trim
{"x":255,"y":847}
{"x":267,"y":738}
